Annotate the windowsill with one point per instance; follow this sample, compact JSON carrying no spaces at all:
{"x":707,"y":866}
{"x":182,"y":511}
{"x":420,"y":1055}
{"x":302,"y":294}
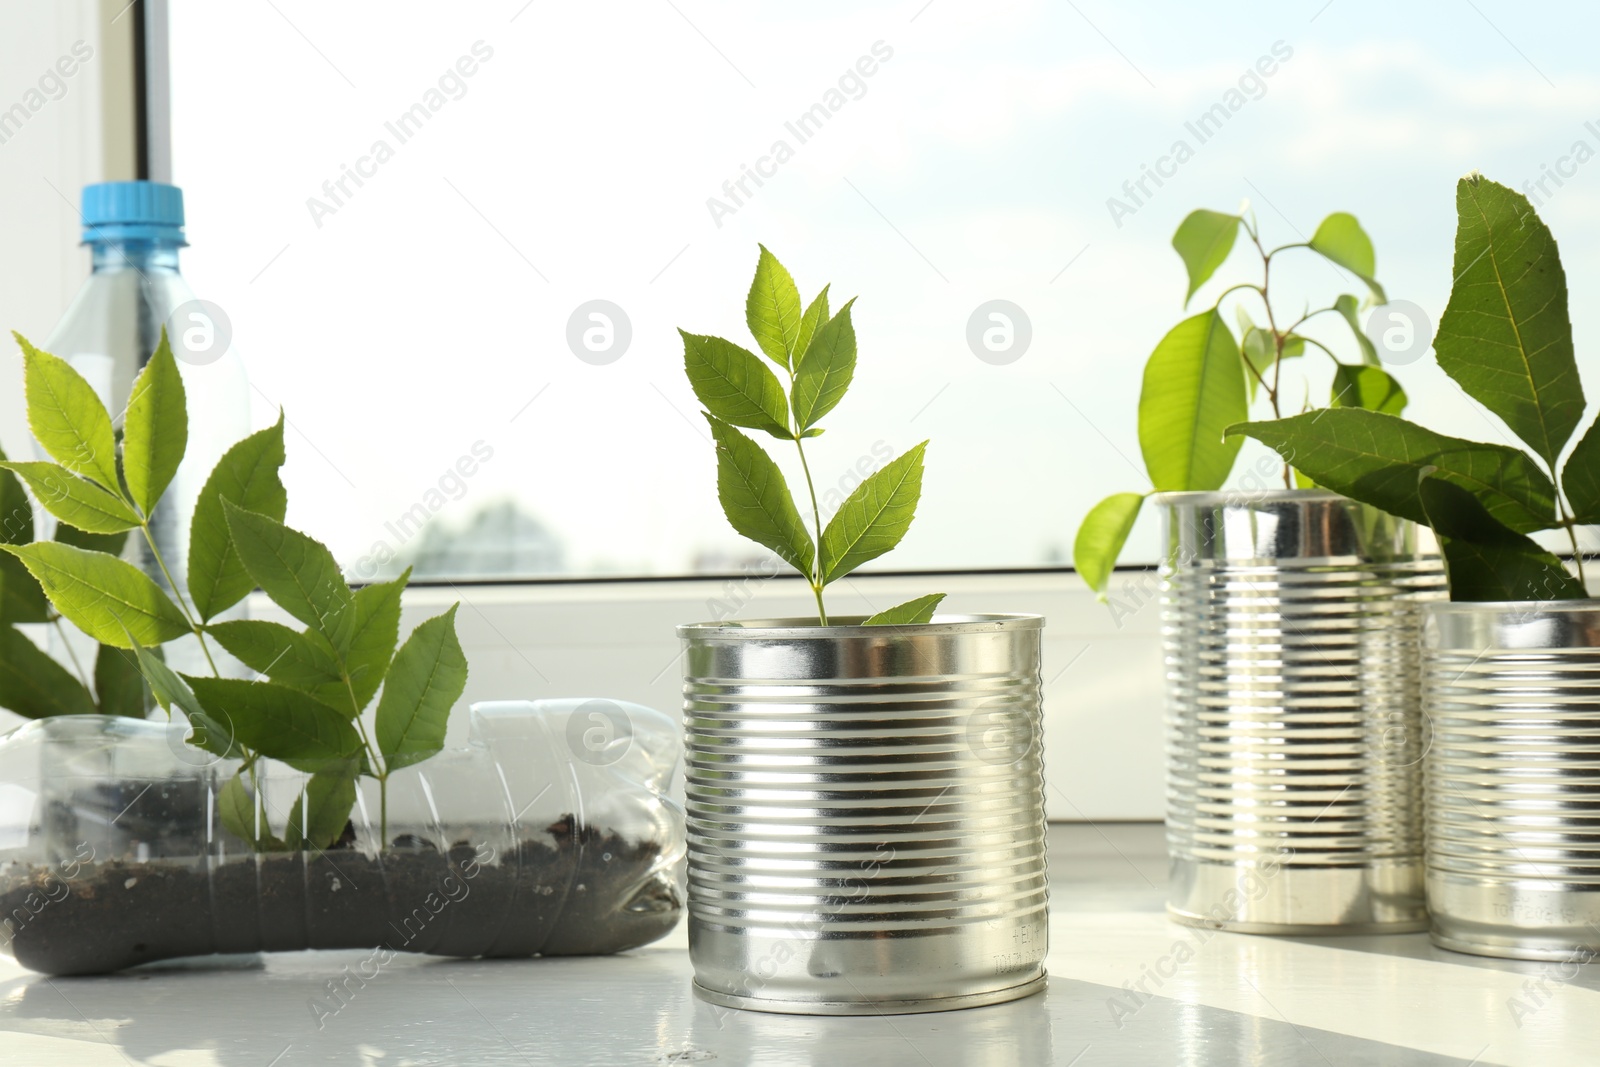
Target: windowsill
{"x":1393,"y":1000}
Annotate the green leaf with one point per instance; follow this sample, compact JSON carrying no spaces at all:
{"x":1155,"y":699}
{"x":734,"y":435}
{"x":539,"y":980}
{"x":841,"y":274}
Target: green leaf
{"x":279,"y":722}
{"x":424,"y":682}
{"x":296,"y":571}
{"x":1204,"y":239}
{"x":155,"y":432}
{"x":1378,"y":458}
{"x":1341,"y":240}
{"x":74,"y":500}
{"x":118,"y":684}
{"x":212,"y":734}
{"x":247,"y":475}
{"x":756,"y":498}
{"x":1101,"y":537}
{"x":815,"y":315}
{"x":1484,"y":559}
{"x":1193,"y":390}
{"x":16,"y":513}
{"x":875,"y":517}
{"x":288,"y":657}
{"x":242,"y":817}
{"x":22,"y":598}
{"x":1350,"y":309}
{"x":372,"y":640}
{"x":825,"y":370}
{"x":329,"y":797}
{"x":1356,"y":385}
{"x":35,"y":686}
{"x":103,"y":596}
{"x":111,"y":544}
{"x":734,"y":385}
{"x":772,"y":310}
{"x":1505,"y":336}
{"x":67,"y":418}
{"x":911,"y":613}
{"x":1580,"y":478}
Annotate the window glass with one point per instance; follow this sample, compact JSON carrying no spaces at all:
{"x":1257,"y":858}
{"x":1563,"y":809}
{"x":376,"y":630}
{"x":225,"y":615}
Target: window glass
{"x":455,"y":241}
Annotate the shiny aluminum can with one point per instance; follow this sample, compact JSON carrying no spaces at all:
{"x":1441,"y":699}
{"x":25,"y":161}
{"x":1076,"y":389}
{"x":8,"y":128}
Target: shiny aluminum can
{"x":1290,"y":625}
{"x":865,"y":814}
{"x":1513,"y":693}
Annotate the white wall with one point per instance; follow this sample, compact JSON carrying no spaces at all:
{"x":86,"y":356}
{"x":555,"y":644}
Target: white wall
{"x":43,"y":165}
{"x":1102,"y":692}
{"x":1103,"y":681}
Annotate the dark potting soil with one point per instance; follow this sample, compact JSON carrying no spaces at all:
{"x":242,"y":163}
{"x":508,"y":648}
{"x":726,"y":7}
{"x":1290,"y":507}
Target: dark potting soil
{"x":591,"y":892}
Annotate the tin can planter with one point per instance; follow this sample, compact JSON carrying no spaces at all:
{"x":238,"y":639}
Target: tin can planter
{"x":865,"y":807}
{"x":1513,"y":692}
{"x":1290,"y":624}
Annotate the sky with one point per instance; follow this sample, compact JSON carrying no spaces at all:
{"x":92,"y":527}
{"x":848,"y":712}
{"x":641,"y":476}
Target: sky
{"x":424,"y":315}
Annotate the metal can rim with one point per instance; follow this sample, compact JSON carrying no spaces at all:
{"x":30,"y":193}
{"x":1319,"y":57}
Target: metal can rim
{"x":1212,"y":497}
{"x":789,"y":629}
{"x":1513,"y":607}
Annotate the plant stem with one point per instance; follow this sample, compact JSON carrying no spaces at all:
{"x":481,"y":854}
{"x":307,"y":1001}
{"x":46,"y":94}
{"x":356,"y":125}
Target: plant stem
{"x":1577,"y":553}
{"x":1570,"y":525}
{"x":816,"y":514}
{"x":178,"y":595}
{"x":1234,"y":289}
{"x":264,"y":829}
{"x":1308,"y":315}
{"x":372,"y":761}
{"x":1277,"y":339}
{"x":72,"y":654}
{"x":1251,"y":367}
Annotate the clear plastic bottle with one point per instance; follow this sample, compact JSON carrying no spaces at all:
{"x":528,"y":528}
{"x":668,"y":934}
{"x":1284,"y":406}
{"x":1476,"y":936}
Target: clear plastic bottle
{"x":134,"y":231}
{"x":552,"y":831}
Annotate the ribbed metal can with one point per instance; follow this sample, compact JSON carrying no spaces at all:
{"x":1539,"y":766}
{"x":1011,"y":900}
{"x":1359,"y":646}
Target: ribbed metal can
{"x":1290,"y":625}
{"x":865,"y":814}
{"x":1513,"y":692}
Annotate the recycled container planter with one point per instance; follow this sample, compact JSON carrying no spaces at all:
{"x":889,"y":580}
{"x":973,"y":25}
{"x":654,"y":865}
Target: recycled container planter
{"x":1513,"y":691}
{"x":865,"y":814}
{"x":548,"y":833}
{"x":1290,"y":624}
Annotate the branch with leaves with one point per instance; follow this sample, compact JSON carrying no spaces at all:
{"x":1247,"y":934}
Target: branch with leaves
{"x":816,"y":353}
{"x":1506,"y":339}
{"x":306,"y":707}
{"x":1201,"y":379}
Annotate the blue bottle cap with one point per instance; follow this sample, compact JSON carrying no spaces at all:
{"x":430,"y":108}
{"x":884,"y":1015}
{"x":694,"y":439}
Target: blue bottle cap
{"x":123,"y":211}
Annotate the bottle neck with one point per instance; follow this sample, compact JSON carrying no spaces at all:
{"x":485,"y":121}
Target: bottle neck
{"x":141,"y":254}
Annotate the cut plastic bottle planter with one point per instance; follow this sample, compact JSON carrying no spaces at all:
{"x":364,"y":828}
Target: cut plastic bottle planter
{"x":550,"y":833}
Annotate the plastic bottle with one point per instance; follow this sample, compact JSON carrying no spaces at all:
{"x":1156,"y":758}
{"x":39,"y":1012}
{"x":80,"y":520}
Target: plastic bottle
{"x":134,"y":231}
{"x":552,"y":831}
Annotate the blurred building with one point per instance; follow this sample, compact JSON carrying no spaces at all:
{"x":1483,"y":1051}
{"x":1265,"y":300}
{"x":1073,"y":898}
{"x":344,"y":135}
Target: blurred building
{"x":499,"y":540}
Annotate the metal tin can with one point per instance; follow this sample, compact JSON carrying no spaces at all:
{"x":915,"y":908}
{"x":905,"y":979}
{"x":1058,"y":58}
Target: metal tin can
{"x":1513,"y":692}
{"x":1290,"y":623}
{"x":865,"y":814}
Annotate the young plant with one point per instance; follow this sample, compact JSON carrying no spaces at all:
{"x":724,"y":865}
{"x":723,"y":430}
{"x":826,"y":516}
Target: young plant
{"x":1506,"y":340}
{"x":32,"y":684}
{"x":306,"y":709}
{"x":1202,"y":379}
{"x":816,"y":352}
